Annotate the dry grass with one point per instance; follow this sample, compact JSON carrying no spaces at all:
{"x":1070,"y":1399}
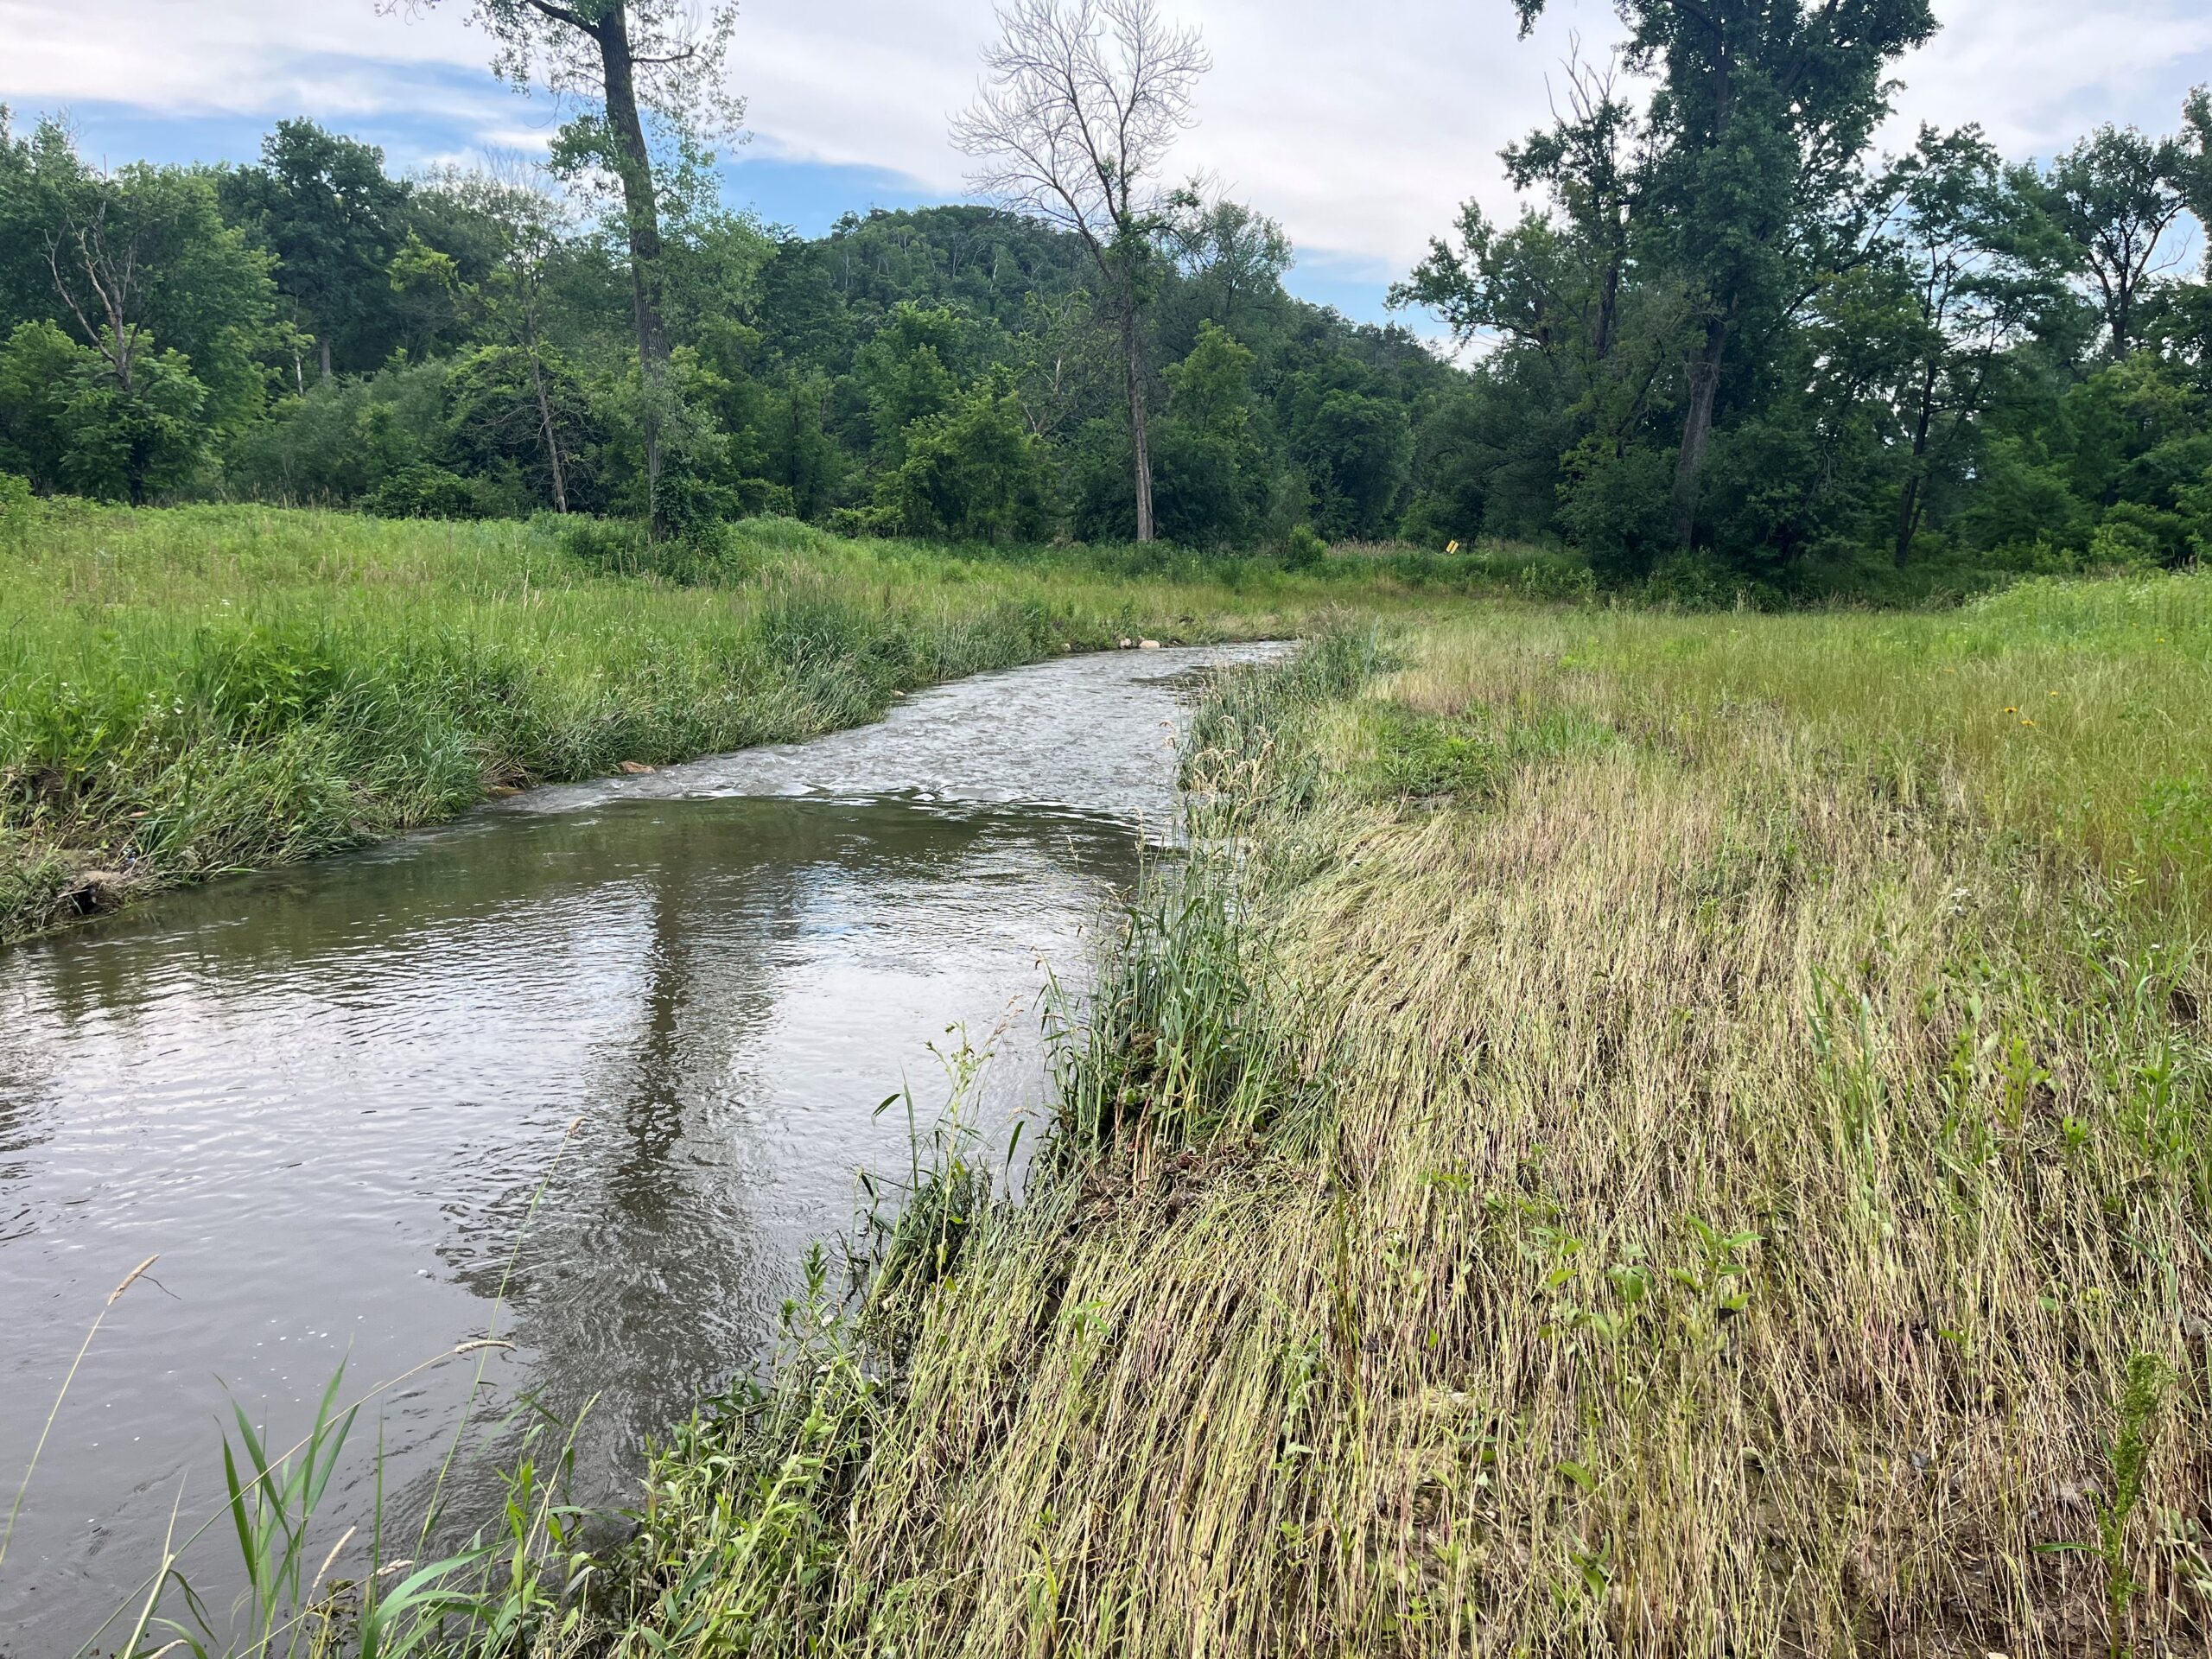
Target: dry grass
{"x":1694,"y":1140}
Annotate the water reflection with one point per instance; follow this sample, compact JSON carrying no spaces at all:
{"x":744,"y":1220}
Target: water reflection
{"x":328,"y":1098}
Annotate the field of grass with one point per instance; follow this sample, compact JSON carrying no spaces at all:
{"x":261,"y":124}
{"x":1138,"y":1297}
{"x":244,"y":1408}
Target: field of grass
{"x":190,"y":691}
{"x":1629,"y":1134}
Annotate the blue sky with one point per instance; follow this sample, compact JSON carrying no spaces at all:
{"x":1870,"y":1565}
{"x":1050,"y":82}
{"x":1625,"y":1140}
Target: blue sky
{"x":1360,"y":128}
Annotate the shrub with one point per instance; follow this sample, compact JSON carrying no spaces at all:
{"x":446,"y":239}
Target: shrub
{"x":1304,"y":550}
{"x":423,"y":490}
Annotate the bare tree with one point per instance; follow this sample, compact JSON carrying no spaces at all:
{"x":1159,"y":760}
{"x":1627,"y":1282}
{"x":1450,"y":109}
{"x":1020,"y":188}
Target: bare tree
{"x":625,"y":57}
{"x":1081,"y":103}
{"x":96,"y":271}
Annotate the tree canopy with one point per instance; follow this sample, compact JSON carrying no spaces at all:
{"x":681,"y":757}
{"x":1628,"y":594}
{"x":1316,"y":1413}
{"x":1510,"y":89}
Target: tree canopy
{"x":1723,"y":343}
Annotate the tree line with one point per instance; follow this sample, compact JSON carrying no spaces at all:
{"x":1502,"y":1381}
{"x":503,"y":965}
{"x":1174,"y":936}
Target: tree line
{"x":1726,"y":342}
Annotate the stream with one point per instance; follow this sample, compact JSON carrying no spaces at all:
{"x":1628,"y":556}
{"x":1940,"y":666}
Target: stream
{"x":619,"y":1047}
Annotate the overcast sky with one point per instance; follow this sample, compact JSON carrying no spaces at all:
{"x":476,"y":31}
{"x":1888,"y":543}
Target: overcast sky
{"x":1360,"y":125}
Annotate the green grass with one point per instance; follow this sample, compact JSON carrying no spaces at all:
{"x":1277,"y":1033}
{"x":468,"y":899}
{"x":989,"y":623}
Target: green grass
{"x":191,"y":691}
{"x":1629,"y":1134}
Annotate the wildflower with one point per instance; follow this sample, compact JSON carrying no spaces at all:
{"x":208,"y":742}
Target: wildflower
{"x":2027,"y":723}
{"x":2010,"y":709}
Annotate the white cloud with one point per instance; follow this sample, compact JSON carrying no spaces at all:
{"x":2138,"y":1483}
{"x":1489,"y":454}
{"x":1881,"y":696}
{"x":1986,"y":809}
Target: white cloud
{"x":1361,"y":127}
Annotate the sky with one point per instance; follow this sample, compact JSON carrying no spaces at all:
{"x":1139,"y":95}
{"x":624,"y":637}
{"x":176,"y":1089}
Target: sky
{"x":1359,"y":125}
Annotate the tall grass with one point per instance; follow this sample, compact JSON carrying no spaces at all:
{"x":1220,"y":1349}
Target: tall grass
{"x":190,"y":691}
{"x":1670,"y":1135}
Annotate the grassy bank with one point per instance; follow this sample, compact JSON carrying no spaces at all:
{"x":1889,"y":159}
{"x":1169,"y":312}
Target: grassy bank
{"x":1645,"y":1135}
{"x":191,"y":691}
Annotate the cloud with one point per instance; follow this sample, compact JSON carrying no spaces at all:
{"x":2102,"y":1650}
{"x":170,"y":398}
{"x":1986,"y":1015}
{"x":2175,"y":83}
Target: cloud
{"x":1361,"y":128}
{"x":2038,"y":74}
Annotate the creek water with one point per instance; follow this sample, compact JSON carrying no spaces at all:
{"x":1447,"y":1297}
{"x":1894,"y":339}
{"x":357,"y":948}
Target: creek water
{"x":329,"y":1098}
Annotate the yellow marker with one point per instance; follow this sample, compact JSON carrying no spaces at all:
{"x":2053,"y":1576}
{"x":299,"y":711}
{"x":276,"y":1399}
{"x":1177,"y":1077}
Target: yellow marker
{"x":1450,"y":547}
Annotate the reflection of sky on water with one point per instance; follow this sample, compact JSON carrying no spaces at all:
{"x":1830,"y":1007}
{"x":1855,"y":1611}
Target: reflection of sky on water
{"x":328,"y":1097}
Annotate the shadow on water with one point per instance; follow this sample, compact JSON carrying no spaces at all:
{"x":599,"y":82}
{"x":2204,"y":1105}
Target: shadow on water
{"x":327,"y":1097}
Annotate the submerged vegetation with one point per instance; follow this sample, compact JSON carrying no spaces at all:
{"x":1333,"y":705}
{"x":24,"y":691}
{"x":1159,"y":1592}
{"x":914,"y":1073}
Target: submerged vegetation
{"x":1672,"y":1134}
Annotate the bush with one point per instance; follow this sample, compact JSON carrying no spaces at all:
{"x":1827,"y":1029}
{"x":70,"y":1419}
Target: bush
{"x":1304,"y":550}
{"x":423,"y":490}
{"x":2120,"y":544}
{"x":706,"y":553}
{"x":859,"y":522}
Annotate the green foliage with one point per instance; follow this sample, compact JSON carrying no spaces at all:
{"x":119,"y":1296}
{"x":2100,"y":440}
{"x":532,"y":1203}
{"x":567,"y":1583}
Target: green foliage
{"x":1729,"y":350}
{"x":1211,"y":471}
{"x":1354,"y":451}
{"x":69,"y":421}
{"x":1304,"y":550}
{"x":188,"y":691}
{"x":973,"y":473}
{"x":420,"y":490}
{"x":334,"y":225}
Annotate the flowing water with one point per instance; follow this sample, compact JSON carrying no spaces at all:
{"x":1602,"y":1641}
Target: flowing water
{"x":329,"y":1098}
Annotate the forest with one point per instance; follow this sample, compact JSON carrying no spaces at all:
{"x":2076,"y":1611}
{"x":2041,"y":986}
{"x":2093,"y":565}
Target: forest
{"x":1730,"y":345}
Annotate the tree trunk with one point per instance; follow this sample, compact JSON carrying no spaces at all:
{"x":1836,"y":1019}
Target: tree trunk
{"x":1609,"y":299}
{"x":1909,"y":505}
{"x":1140,"y":446}
{"x":1697,"y":429}
{"x":546,"y":429}
{"x":641,"y":217}
{"x":322,"y":354}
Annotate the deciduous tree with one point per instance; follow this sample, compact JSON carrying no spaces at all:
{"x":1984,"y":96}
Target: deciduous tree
{"x":622,"y":60}
{"x":1082,"y":101}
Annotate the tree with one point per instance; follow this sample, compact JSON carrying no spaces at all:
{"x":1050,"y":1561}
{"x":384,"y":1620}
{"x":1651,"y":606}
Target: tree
{"x":323,"y":205}
{"x":1762,"y":112}
{"x":972,"y":472}
{"x":1591,"y":158}
{"x":908,"y":371}
{"x":123,"y":260}
{"x":2192,"y":172}
{"x":1232,"y":255}
{"x":1213,"y":470}
{"x":528,"y":225}
{"x":2115,"y":195}
{"x":1083,"y":104}
{"x":1977,"y":264}
{"x":69,"y":422}
{"x":623,"y":58}
{"x":1355,"y":451}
